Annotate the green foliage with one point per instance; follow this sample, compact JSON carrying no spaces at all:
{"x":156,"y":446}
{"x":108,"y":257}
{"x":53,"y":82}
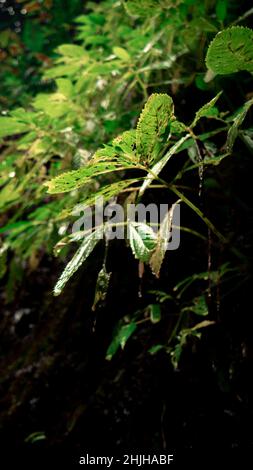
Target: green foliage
{"x":85,"y":249}
{"x":153,"y":127}
{"x":78,"y":135}
{"x":231,"y":51}
{"x":122,"y":334}
{"x":142,"y":240}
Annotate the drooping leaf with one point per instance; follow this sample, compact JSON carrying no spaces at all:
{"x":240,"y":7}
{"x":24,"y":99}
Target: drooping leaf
{"x":157,"y":168}
{"x":155,"y":313}
{"x":122,"y":334}
{"x":238,"y":120}
{"x":208,"y":110}
{"x":142,"y":240}
{"x":101,"y":287}
{"x":163,"y":236}
{"x":106,"y":192}
{"x":231,"y":51}
{"x":78,"y":259}
{"x":153,"y":126}
{"x":3,"y":259}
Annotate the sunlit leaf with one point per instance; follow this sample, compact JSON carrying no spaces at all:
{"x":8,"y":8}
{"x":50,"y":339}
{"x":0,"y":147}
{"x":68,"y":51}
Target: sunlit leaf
{"x":157,"y":168}
{"x":163,"y":237}
{"x":142,"y":240}
{"x":153,"y":126}
{"x":78,"y":259}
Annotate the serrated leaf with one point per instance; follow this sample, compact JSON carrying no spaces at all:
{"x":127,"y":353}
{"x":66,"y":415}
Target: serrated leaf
{"x":107,"y":192}
{"x":123,"y":333}
{"x":75,"y":179}
{"x":231,"y":51}
{"x":78,"y":259}
{"x":238,"y":120}
{"x":126,"y":142}
{"x":10,"y":126}
{"x":157,"y":168}
{"x":153,"y":126}
{"x":163,"y":236}
{"x":207,"y":110}
{"x":142,"y":240}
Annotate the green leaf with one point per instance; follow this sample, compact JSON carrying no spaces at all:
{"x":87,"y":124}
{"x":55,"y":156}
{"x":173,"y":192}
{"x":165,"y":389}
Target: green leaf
{"x":141,"y":7}
{"x":152,"y":127}
{"x":155,"y":313}
{"x":221,"y":9}
{"x":9,"y":193}
{"x":157,"y":168}
{"x":199,"y":306}
{"x":3,"y":259}
{"x":231,"y":51}
{"x":71,"y":50}
{"x":107,"y":192}
{"x":55,"y":105}
{"x":148,"y":8}
{"x":208,"y":110}
{"x":142,"y":240}
{"x":63,"y":70}
{"x":65,"y":87}
{"x":203,"y":324}
{"x":158,"y":254}
{"x":123,"y":333}
{"x":101,"y":287}
{"x":156,"y":348}
{"x":238,"y":121}
{"x":126,"y":142}
{"x":75,"y":179}
{"x":121,"y":54}
{"x":10,"y":126}
{"x":78,"y":259}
